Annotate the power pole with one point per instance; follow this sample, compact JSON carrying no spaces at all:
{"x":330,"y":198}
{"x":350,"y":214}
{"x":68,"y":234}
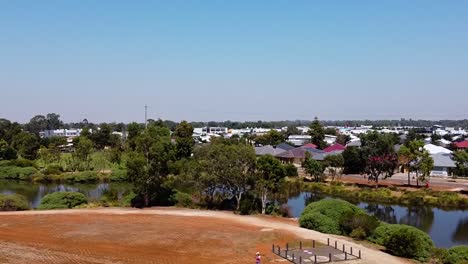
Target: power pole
{"x":146,"y":116}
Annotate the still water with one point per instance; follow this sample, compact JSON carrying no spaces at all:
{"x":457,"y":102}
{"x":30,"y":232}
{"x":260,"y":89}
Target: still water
{"x":446,"y":228}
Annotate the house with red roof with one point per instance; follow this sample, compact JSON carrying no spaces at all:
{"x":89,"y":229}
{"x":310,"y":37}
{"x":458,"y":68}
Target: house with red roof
{"x":309,"y":145}
{"x":461,"y":145}
{"x":335,"y":147}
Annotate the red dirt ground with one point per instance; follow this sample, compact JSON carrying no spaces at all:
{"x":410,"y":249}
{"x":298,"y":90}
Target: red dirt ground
{"x":104,"y":238}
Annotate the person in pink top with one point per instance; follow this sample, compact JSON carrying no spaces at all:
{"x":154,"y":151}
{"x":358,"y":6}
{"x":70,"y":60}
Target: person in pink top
{"x":257,"y":258}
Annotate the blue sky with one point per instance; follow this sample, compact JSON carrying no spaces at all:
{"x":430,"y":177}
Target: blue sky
{"x":237,"y":60}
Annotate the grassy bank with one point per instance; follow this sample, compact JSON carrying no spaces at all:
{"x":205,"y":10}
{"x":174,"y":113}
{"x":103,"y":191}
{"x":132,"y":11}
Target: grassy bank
{"x":428,"y":197}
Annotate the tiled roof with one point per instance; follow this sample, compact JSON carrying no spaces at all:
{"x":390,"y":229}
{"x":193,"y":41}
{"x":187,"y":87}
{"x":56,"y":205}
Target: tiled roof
{"x":463,"y":144}
{"x":335,"y":147}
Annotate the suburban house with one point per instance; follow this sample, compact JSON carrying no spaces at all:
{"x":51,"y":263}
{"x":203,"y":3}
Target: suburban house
{"x":443,"y":164}
{"x":268,"y":150}
{"x":299,"y":140}
{"x":335,"y":148}
{"x":461,"y":145}
{"x":330,"y":139}
{"x":297,"y":155}
{"x":433,"y":149}
{"x":284,"y":146}
{"x":60,"y":133}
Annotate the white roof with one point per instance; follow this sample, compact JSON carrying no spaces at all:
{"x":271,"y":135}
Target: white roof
{"x":433,"y":149}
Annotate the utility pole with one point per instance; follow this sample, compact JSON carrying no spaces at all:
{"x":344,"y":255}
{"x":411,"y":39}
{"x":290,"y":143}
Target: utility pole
{"x":146,"y":116}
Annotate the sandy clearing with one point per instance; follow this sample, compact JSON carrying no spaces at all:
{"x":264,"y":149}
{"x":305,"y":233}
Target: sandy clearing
{"x":260,"y":222}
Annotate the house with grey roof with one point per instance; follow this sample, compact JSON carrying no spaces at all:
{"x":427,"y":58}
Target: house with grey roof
{"x":443,"y":164}
{"x":268,"y":150}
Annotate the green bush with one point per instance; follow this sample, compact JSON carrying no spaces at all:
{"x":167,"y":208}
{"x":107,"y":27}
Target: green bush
{"x":53,"y":170}
{"x":127,"y":199}
{"x":119,"y":175}
{"x":18,"y":173}
{"x":183,"y":199}
{"x":358,"y":233}
{"x":13,"y":202}
{"x":324,"y":215}
{"x":82,"y":177}
{"x":290,"y":170}
{"x":404,"y":241}
{"x":359,"y":222}
{"x":319,"y":222}
{"x":383,"y":232}
{"x":457,"y":255}
{"x":62,"y":200}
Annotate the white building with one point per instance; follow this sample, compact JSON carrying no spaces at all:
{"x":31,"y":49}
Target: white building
{"x":299,"y":140}
{"x":60,"y":133}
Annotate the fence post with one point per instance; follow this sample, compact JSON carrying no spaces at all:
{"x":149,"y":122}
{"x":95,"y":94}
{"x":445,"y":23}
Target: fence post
{"x":328,"y":241}
{"x":287,"y":246}
{"x":346,"y":255}
{"x":336,"y":244}
{"x":344,"y":248}
{"x":279,"y":250}
{"x":300,"y":259}
{"x":359,"y":253}
{"x":300,"y":245}
{"x":292,"y":258}
{"x":313,"y":243}
{"x":273,"y":248}
{"x":329,"y":256}
{"x":315,"y":258}
{"x":351,"y":250}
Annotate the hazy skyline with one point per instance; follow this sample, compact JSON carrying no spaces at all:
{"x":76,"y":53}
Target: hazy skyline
{"x":237,"y":60}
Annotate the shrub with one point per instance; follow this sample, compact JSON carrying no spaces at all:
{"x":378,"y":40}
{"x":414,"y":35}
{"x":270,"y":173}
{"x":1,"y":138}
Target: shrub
{"x":119,"y":175}
{"x":53,"y":170}
{"x":248,"y":204}
{"x":62,"y":200}
{"x":319,"y":222}
{"x":404,"y":241}
{"x":13,"y":202}
{"x":183,"y":199}
{"x":352,"y":221}
{"x":324,"y":215}
{"x":18,"y":173}
{"x":383,"y":232}
{"x":83,"y":177}
{"x":127,"y":199}
{"x":358,"y":233}
{"x":457,"y":255}
{"x":290,"y":170}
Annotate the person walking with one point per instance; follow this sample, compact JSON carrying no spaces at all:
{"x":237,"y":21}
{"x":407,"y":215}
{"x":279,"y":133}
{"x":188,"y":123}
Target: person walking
{"x":257,"y":258}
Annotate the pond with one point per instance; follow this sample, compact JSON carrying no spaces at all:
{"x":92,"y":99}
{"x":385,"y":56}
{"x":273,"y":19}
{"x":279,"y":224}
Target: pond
{"x":446,"y":228}
{"x":35,"y":192}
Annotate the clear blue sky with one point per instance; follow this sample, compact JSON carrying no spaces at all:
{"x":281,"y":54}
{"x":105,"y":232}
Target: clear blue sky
{"x":237,"y":60}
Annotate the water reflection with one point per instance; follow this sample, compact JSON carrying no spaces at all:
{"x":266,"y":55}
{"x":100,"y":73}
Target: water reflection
{"x":460,"y":235}
{"x":446,"y":228}
{"x":35,"y":192}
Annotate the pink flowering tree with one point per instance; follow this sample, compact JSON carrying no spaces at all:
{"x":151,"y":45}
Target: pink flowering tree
{"x":381,"y":166}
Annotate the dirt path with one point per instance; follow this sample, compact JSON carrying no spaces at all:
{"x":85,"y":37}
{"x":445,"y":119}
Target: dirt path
{"x":155,"y":235}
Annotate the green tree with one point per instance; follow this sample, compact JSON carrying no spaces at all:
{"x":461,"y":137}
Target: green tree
{"x":426,"y":164}
{"x":409,"y":155}
{"x":26,"y":144}
{"x":273,"y":137}
{"x":354,"y":161}
{"x":335,"y":164}
{"x":314,"y":168}
{"x":269,"y":177}
{"x":184,"y":140}
{"x":82,"y":154}
{"x":8,"y":130}
{"x":461,"y":161}
{"x":7,"y":152}
{"x":317,"y":134}
{"x":155,"y":146}
{"x":292,"y":130}
{"x":133,"y":130}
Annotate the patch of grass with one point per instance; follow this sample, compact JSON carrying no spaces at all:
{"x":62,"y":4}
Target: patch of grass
{"x":18,"y":173}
